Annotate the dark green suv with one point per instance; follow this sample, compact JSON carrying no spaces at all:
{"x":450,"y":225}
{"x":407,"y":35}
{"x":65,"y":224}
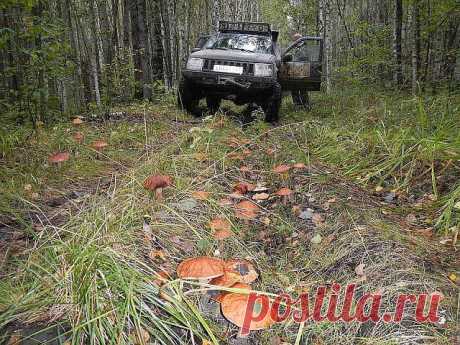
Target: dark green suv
{"x":244,"y":64}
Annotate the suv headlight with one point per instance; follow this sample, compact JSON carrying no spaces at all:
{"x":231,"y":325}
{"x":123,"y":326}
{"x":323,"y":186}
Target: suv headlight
{"x":263,"y":69}
{"x":195,"y":64}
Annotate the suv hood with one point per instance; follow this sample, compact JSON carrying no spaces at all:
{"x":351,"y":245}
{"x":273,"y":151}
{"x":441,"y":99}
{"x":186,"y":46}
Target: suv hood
{"x":233,"y":55}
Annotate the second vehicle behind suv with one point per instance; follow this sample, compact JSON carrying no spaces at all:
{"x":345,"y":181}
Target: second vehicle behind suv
{"x":244,"y":64}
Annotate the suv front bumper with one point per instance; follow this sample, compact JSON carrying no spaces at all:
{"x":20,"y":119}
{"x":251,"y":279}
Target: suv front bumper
{"x":222,"y":83}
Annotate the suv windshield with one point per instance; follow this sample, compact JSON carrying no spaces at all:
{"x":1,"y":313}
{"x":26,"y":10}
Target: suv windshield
{"x":244,"y":42}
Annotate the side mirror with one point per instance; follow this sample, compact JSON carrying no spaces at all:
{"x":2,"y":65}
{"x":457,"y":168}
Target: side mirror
{"x":194,"y":50}
{"x":288,"y":58}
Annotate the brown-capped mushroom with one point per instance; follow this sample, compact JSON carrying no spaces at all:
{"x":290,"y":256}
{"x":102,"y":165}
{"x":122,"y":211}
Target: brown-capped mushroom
{"x":234,"y":308}
{"x":299,"y":166}
{"x":243,"y":187}
{"x":242,"y":269}
{"x":284,"y":193}
{"x":282,"y":170}
{"x":246,"y":210}
{"x":221,"y":227}
{"x":99,"y":146}
{"x":156,"y":183}
{"x":59,"y":158}
{"x":202,"y":268}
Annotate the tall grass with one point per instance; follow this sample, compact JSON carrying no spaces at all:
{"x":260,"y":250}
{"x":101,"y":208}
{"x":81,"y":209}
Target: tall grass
{"x":400,"y":142}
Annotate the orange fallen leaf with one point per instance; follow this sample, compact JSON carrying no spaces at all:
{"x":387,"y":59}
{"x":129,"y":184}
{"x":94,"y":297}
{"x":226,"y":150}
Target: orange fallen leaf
{"x":201,"y":195}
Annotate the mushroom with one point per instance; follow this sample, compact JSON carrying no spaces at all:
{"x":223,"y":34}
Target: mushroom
{"x":284,"y":193}
{"x":221,"y":228}
{"x":202,"y":268}
{"x":246,"y":210}
{"x":234,"y":305}
{"x":242,"y":269}
{"x":282,"y":170}
{"x":299,"y":166}
{"x":156,"y":183}
{"x":243,"y":187}
{"x":77,"y":121}
{"x":59,"y":158}
{"x":78,"y":137}
{"x":99,"y":145}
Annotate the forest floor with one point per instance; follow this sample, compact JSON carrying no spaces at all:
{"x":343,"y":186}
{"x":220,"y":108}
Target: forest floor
{"x":84,"y":248}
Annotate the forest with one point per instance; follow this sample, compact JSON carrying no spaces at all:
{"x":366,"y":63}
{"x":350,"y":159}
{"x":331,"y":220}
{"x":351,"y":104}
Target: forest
{"x":126,"y":218}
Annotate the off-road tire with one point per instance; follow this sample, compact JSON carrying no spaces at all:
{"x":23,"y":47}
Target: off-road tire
{"x":272,"y":107}
{"x":187,"y":99}
{"x":301,"y":99}
{"x":213,"y":103}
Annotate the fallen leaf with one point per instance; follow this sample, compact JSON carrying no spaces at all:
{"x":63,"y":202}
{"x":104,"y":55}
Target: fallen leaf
{"x":266,"y":221}
{"x":270,"y":151}
{"x":235,"y":156}
{"x":14,"y":340}
{"x":260,"y":196}
{"x":200,"y":156}
{"x":201,"y":195}
{"x":411,"y":218}
{"x":28,"y":187}
{"x":452,"y":277}
{"x":317,"y":219}
{"x":359,"y":270}
{"x":225,"y":202}
{"x":296,"y":210}
{"x":157,"y":253}
{"x":457,"y":205}
{"x":378,"y":189}
{"x":140,"y":336}
{"x":317,"y":239}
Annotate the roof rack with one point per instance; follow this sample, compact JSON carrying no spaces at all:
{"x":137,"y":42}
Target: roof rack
{"x":247,"y":27}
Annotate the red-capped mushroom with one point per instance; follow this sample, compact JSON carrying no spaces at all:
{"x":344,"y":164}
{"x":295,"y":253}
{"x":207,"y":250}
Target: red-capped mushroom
{"x":284,"y":193}
{"x":156,"y":183}
{"x":59,"y":158}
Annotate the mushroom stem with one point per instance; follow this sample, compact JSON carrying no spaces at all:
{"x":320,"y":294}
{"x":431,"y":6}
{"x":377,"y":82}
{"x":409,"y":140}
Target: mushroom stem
{"x":159,"y":194}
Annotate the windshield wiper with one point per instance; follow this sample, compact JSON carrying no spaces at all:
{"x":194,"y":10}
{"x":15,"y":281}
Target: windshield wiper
{"x":220,"y":48}
{"x":243,"y":50}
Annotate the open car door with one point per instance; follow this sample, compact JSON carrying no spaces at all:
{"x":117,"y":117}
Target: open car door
{"x":301,"y":66}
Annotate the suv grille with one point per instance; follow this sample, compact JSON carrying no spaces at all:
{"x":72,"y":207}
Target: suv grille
{"x":248,"y":68}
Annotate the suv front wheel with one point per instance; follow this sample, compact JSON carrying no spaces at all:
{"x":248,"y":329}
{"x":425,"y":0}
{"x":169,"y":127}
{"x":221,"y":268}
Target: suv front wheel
{"x":273,"y":104}
{"x":187,"y":99}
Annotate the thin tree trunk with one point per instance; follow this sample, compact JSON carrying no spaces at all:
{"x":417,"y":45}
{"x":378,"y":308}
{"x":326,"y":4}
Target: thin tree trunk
{"x":415,"y":17}
{"x":397,"y":54}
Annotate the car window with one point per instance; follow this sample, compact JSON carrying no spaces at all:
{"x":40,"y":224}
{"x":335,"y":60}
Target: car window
{"x":244,"y":42}
{"x":307,"y":51}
